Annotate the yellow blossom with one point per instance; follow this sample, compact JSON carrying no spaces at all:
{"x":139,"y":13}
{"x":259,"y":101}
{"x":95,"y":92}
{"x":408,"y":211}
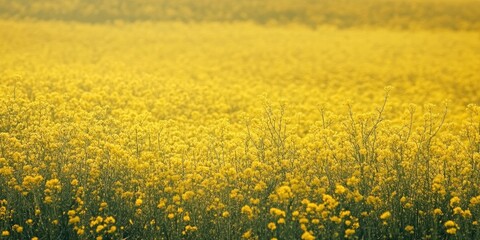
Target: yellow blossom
{"x":450,"y":224}
{"x":437,"y":211}
{"x":112,"y":229}
{"x":74,"y":220}
{"x":452,"y":231}
{"x":386,"y":215}
{"x":272,"y":226}
{"x":247,"y":234}
{"x":349,"y":232}
{"x":307,"y":236}
{"x":99,"y":228}
{"x":339,"y":189}
{"x":454,"y":201}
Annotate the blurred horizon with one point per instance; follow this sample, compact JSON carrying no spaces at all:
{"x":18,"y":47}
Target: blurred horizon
{"x":397,"y":14}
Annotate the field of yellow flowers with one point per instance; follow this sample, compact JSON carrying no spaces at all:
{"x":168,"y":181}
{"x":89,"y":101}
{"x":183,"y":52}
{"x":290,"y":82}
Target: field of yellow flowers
{"x":238,"y":130}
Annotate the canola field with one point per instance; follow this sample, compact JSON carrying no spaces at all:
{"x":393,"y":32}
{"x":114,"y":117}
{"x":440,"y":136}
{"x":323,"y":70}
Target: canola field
{"x":245,"y":129}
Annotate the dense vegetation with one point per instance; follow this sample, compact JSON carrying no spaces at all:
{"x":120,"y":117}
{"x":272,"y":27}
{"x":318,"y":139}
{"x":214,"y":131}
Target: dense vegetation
{"x":212,"y":126}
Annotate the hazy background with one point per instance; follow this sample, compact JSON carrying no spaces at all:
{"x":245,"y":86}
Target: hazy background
{"x":399,"y":14}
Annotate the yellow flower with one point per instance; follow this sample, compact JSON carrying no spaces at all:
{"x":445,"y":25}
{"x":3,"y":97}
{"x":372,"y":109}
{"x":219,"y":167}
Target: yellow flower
{"x":71,"y":213}
{"x":74,"y":182}
{"x":372,"y":200}
{"x":325,"y":214}
{"x":356,"y":225}
{"x":138,"y":202}
{"x":247,"y":210}
{"x":336,"y":219}
{"x":48,"y":200}
{"x":475,"y":200}
{"x":110,"y":220}
{"x":188,"y":195}
{"x":363,"y":151}
{"x":457,"y":210}
{"x":330,"y":202}
{"x":450,"y":224}
{"x":386,"y":215}
{"x":29,"y":222}
{"x":307,"y":236}
{"x":295,"y":213}
{"x":247,"y":234}
{"x":191,"y":228}
{"x":467,"y":213}
{"x":53,"y":184}
{"x":74,"y":220}
{"x":176,"y":199}
{"x":339,"y":189}
{"x":99,"y":228}
{"x":452,"y":231}
{"x":454,"y":201}
{"x":18,"y":229}
{"x":409,"y":229}
{"x":437,"y":211}
{"x":277,"y":212}
{"x":353,"y":181}
{"x":5,"y":233}
{"x":349,"y":232}
{"x":272,"y":226}
{"x":345,"y":214}
{"x":31,"y":182}
{"x":284,"y":192}
{"x":112,"y":229}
